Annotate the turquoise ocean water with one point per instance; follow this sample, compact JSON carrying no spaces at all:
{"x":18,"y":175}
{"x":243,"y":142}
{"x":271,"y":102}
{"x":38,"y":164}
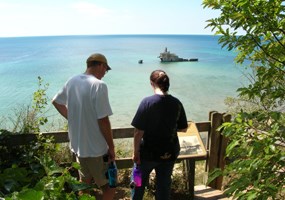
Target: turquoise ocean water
{"x":201,"y":86}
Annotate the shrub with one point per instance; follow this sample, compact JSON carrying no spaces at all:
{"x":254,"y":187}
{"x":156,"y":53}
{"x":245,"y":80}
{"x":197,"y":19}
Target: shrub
{"x":256,"y":147}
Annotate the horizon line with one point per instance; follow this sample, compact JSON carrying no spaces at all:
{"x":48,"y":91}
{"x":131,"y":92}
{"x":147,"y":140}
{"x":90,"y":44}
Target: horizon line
{"x":125,"y":34}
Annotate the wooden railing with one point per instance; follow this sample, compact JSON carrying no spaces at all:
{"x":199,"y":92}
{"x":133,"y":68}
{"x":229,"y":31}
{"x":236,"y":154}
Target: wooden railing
{"x":215,"y":147}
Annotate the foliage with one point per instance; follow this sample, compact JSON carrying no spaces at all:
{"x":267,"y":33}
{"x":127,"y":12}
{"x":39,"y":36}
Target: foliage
{"x":24,"y":155}
{"x":257,"y":156}
{"x":256,"y":135}
{"x":56,"y":184}
{"x":234,"y":105}
{"x":29,"y":119}
{"x":30,"y":171}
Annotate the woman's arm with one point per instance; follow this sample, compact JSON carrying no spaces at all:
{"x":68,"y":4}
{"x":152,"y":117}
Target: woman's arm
{"x":138,"y":134}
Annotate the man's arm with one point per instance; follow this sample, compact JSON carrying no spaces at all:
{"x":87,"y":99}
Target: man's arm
{"x":138,"y":134}
{"x":62,"y":109}
{"x":105,"y":127}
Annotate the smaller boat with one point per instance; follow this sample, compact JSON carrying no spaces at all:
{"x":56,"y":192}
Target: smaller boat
{"x":140,"y":61}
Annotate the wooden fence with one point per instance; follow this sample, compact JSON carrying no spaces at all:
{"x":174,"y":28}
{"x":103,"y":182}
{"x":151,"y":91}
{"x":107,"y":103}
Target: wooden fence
{"x":215,"y":147}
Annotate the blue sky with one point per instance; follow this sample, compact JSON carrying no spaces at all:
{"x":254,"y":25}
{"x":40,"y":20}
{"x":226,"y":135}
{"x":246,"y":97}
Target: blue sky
{"x":93,"y":17}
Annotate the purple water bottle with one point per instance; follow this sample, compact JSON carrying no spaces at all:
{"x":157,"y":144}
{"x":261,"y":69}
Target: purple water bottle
{"x":137,"y":175}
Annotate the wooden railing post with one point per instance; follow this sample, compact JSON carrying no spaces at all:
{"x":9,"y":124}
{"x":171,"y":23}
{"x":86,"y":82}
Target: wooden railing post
{"x":222,"y":153}
{"x":209,"y":137}
{"x":217,"y":147}
{"x":214,"y":143}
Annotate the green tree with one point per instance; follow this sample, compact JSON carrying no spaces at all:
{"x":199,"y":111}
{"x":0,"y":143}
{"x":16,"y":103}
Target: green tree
{"x":257,"y":136}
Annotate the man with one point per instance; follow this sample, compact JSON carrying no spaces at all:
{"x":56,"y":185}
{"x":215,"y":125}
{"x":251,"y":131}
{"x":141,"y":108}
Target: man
{"x":84,"y":102}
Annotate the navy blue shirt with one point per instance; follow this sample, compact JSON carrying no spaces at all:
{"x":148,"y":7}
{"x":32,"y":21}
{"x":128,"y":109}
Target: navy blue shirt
{"x":160,"y":116}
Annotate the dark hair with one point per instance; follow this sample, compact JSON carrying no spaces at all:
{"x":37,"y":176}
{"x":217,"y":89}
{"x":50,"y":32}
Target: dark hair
{"x":93,"y":63}
{"x":160,"y":78}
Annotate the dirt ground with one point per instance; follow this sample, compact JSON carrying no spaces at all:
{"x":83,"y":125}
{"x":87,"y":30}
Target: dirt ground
{"x":123,"y":190}
{"x":124,"y":193}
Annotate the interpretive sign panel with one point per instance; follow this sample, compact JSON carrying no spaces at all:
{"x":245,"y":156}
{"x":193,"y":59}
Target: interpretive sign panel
{"x":191,"y":143}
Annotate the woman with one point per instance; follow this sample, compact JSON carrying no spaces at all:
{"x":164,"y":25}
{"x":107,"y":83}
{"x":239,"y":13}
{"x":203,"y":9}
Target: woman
{"x":156,"y":144}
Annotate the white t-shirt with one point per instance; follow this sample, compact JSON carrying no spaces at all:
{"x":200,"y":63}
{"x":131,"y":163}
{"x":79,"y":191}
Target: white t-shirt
{"x":86,"y":98}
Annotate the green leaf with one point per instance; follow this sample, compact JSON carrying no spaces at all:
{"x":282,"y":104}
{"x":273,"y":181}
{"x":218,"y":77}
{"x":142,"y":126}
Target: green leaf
{"x":79,"y":186}
{"x":214,"y":174}
{"x":30,"y":194}
{"x":272,"y":148}
{"x":55,"y":172}
{"x":86,"y":197}
{"x":231,"y":146}
{"x":76,"y":165}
